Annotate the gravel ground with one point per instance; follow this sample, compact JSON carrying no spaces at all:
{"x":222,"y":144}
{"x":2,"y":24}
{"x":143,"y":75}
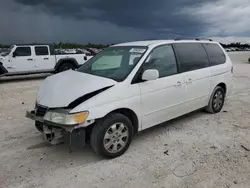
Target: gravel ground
{"x":198,"y":150}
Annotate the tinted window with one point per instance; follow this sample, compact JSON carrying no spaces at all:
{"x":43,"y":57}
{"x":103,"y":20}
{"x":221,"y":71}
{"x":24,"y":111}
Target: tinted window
{"x":192,"y":56}
{"x":163,"y":59}
{"x":41,"y":50}
{"x":215,"y":54}
{"x":23,"y":51}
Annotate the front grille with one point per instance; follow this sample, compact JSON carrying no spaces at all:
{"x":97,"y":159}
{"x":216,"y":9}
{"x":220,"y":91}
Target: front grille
{"x":40,"y":111}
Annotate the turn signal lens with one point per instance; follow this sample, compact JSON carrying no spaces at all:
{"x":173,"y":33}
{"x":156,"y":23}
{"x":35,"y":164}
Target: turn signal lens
{"x":80,"y":118}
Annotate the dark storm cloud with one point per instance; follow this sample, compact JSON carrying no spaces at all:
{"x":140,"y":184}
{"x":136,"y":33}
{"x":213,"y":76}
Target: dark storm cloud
{"x":112,"y":21}
{"x":158,"y":16}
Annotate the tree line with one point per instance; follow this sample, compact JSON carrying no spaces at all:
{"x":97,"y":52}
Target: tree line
{"x":236,"y":45}
{"x":70,"y":45}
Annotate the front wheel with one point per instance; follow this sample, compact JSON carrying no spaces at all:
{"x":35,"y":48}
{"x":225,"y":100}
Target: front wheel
{"x":111,"y":137}
{"x":216,"y":101}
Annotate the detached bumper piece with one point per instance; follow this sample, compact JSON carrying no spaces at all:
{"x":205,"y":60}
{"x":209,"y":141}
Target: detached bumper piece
{"x":32,"y":115}
{"x":56,"y":133}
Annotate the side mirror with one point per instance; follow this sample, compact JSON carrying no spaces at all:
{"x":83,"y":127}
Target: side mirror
{"x":150,"y":74}
{"x":85,"y":58}
{"x":14,"y":54}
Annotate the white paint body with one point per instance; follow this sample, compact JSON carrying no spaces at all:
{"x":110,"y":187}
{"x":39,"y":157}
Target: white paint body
{"x":36,"y":63}
{"x":153,"y":102}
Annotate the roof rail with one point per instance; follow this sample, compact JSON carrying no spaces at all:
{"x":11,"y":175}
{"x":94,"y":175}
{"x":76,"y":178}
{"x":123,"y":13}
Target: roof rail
{"x":198,"y":39}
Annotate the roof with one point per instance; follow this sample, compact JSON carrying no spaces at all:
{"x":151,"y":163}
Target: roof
{"x":159,"y":42}
{"x":33,"y":44}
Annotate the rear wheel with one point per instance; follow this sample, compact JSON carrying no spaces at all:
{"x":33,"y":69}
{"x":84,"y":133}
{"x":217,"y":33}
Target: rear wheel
{"x":66,"y":66}
{"x":111,"y":137}
{"x":216,"y":101}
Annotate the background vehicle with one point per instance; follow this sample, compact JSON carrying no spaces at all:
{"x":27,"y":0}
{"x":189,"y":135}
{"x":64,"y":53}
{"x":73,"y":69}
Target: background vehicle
{"x":28,"y":59}
{"x":130,"y":87}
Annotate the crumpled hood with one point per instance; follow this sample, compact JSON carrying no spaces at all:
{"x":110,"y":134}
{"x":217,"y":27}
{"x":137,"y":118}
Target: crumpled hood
{"x":61,"y":89}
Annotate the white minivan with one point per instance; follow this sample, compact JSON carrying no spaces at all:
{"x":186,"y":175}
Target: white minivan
{"x":130,"y":87}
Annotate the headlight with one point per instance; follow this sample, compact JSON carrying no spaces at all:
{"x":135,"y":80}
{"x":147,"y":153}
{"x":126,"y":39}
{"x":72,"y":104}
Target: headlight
{"x":64,"y":118}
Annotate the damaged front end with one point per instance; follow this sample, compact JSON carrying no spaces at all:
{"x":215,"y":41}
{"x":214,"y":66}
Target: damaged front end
{"x":59,"y":126}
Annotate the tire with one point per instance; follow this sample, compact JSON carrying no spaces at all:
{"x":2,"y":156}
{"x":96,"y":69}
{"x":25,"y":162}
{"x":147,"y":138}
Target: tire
{"x":216,"y":101}
{"x":116,"y":131}
{"x":66,"y":66}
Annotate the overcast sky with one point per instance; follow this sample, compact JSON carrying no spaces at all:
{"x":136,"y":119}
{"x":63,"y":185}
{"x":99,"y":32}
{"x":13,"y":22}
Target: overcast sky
{"x":112,"y":21}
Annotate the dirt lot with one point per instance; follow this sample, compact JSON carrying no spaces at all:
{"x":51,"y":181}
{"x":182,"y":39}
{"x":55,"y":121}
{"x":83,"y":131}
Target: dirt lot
{"x":196,"y":151}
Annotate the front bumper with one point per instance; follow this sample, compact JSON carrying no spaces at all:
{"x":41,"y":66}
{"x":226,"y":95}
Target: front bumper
{"x":31,"y":115}
{"x":75,"y":136}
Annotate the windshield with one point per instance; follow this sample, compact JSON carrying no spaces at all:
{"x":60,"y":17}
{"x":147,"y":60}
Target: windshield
{"x":8,"y":51}
{"x":115,"y":62}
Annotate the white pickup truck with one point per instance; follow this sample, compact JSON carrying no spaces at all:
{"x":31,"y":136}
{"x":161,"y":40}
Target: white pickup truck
{"x":32,"y":59}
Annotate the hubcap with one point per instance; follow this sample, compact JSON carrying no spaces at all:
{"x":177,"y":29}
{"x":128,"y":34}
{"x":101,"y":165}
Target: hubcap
{"x":218,"y":100}
{"x":116,"y":137}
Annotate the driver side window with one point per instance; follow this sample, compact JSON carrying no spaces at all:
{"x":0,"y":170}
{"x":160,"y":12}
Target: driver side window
{"x":162,"y":59}
{"x":22,"y":51}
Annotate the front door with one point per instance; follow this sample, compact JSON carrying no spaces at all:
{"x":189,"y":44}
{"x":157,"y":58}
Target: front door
{"x":22,"y":60}
{"x":161,"y":99}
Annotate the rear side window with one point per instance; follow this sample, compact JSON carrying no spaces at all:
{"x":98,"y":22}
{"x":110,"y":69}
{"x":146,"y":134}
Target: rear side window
{"x":162,"y":59}
{"x":215,"y":54}
{"x":23,"y":51}
{"x":192,"y":56}
{"x":41,"y":50}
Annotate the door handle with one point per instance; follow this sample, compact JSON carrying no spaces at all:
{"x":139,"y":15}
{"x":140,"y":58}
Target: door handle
{"x":178,"y":84}
{"x":189,"y":81}
{"x":30,"y":59}
{"x":45,"y":58}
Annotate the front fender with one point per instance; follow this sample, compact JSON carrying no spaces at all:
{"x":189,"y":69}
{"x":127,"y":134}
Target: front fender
{"x":101,"y":111}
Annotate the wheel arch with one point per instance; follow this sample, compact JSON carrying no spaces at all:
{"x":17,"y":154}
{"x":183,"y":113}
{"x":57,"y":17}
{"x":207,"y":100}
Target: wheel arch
{"x":130,"y":114}
{"x":223,"y":85}
{"x":66,"y":60}
{"x":2,"y":69}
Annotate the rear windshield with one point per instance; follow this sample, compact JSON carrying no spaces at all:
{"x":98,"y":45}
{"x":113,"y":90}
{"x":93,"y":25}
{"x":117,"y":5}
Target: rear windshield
{"x":115,"y":62}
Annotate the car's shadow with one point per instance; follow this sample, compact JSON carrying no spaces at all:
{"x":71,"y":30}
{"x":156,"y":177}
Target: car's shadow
{"x":23,"y":78}
{"x":174,"y":124}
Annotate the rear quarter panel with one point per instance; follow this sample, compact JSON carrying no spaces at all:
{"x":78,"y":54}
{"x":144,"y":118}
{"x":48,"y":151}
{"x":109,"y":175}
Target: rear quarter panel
{"x":222,"y":74}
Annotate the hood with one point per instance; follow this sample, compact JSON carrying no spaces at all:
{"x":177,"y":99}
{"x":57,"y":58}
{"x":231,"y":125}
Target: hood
{"x":61,"y":89}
